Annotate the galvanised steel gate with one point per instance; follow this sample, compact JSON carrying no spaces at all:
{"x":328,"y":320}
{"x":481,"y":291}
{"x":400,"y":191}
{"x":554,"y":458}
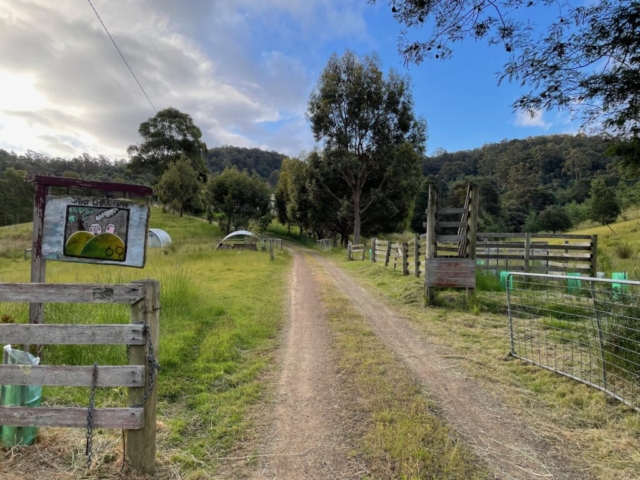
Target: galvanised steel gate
{"x":585,"y":328}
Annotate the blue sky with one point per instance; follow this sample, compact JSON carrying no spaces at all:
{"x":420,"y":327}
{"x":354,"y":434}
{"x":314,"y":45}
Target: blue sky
{"x":243,"y":69}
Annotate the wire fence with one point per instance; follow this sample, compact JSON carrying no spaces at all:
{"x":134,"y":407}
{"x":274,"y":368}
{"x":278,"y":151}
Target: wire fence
{"x":585,"y":328}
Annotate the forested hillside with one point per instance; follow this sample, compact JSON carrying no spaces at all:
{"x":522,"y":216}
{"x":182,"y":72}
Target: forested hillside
{"x":520,"y":179}
{"x":266,"y":164}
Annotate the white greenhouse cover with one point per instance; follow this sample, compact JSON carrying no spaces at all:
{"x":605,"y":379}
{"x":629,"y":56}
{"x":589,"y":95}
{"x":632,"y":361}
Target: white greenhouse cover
{"x":158,"y":238}
{"x":244,"y":233}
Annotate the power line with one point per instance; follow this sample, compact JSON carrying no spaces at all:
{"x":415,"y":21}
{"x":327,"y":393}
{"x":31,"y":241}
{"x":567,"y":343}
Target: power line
{"x":121,"y":55}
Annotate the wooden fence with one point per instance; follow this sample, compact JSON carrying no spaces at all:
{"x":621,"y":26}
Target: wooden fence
{"x":141,"y":336}
{"x":355,"y":251}
{"x":538,"y":252}
{"x":407,"y":255}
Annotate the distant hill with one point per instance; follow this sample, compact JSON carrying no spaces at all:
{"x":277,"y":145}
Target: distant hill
{"x":520,"y":178}
{"x":266,"y":164}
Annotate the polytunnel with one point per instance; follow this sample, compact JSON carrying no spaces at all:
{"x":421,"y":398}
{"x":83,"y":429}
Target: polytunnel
{"x":157,"y":238}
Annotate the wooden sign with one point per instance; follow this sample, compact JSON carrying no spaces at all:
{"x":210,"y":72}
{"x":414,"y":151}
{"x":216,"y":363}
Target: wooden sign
{"x":95,"y":230}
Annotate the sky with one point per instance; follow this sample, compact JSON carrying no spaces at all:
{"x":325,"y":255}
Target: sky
{"x":243,"y":69}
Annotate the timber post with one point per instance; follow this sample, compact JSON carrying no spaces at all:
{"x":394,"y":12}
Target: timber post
{"x":141,"y":444}
{"x":364,"y":247}
{"x":349,"y":251}
{"x":527,"y":251}
{"x":594,"y":255}
{"x":388,"y":254}
{"x":405,"y":258}
{"x":373,"y":250}
{"x":472,"y":231}
{"x":432,"y":244}
{"x":416,"y":254}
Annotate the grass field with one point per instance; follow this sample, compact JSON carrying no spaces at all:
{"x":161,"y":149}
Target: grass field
{"x":220,"y":318}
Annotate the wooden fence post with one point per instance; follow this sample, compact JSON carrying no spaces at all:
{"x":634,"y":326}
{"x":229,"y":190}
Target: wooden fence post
{"x":364,"y":247}
{"x":271,"y":249}
{"x":594,"y":255}
{"x":416,"y":255}
{"x":432,"y":243}
{"x":141,"y":444}
{"x":374,"y":241}
{"x":388,"y":254}
{"x":405,"y":258}
{"x":349,"y":251}
{"x":527,"y":250}
{"x":472,"y":230}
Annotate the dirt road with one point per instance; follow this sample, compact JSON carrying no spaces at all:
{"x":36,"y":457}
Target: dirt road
{"x":307,"y":437}
{"x":307,"y":440}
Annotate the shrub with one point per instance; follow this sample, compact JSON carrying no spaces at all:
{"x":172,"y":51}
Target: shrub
{"x":624,"y":250}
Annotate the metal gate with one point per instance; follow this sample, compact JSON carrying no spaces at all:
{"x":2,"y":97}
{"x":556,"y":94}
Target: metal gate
{"x":585,"y":328}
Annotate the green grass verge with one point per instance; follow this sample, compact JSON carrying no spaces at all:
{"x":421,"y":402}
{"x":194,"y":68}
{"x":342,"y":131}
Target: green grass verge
{"x":403,"y":437}
{"x":221,"y":315}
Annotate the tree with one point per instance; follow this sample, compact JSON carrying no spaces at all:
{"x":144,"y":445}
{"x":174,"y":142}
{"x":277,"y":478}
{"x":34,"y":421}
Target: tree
{"x":239,"y":197}
{"x":554,"y":218}
{"x":586,"y":60}
{"x":179,"y":184}
{"x":166,"y":137}
{"x":372,"y":138}
{"x":604,"y":205}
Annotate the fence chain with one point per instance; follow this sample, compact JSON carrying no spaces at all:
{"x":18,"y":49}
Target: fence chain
{"x":90,"y":411}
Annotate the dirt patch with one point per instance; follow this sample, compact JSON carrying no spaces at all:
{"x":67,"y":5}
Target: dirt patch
{"x":309,"y":438}
{"x":504,"y":441}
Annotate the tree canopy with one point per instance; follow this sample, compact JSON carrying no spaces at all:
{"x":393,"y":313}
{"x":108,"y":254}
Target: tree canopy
{"x":371,"y":137}
{"x":585,"y":59}
{"x":238,"y":197}
{"x":166,"y":137}
{"x":179,"y":184}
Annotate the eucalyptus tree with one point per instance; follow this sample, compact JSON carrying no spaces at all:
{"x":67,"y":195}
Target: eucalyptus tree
{"x":372,"y":140}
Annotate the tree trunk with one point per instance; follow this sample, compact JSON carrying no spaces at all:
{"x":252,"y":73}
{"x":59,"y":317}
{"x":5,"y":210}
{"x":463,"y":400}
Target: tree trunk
{"x":181,"y":210}
{"x":288,"y":228}
{"x":356,"y":217}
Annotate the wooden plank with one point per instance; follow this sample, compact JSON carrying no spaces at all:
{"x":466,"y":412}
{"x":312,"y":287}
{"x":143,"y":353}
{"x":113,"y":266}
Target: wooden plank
{"x":501,"y":256}
{"x":447,"y":249}
{"x":583,"y":248}
{"x":558,"y":268}
{"x":21,"y":333}
{"x":450,"y":224}
{"x":501,"y":235}
{"x":562,"y":258}
{"x":71,"y":376}
{"x":449,"y":238}
{"x":72,"y":417}
{"x":451,"y":211}
{"x":451,"y":272}
{"x":105,"y":186}
{"x":594,"y":256}
{"x":70,"y":293}
{"x":561,"y":235}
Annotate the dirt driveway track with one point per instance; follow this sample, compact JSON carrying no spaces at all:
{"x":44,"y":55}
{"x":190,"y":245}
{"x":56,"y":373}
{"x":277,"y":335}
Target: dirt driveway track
{"x":511,"y":450}
{"x":307,"y":440}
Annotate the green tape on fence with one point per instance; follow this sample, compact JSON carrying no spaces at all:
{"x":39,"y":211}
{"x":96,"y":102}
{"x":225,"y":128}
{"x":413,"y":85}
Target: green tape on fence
{"x":573,"y":286}
{"x":619,"y":287}
{"x":503,"y":280}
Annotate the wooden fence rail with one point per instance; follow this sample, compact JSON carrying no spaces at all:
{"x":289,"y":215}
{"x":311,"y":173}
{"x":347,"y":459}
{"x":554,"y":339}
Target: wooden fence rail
{"x":142,"y":337}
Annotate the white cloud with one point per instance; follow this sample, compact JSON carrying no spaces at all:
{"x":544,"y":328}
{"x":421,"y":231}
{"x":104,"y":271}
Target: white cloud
{"x":526,"y":119}
{"x":64,"y":89}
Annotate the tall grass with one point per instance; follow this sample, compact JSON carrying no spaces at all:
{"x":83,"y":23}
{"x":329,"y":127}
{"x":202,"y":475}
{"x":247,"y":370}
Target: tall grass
{"x":221,"y":312}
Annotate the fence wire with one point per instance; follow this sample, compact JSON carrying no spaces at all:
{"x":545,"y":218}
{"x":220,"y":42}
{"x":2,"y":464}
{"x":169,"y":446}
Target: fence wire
{"x":585,"y":328}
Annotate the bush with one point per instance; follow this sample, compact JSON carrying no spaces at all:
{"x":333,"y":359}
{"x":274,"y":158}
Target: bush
{"x":624,"y":250}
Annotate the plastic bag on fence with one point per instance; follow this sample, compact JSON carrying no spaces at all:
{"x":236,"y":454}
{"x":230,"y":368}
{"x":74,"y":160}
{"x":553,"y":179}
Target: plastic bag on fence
{"x":619,"y":287}
{"x":19,"y":396}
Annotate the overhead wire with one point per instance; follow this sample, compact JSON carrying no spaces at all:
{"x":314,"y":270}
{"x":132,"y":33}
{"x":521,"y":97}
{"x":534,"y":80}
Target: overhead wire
{"x":122,"y":56}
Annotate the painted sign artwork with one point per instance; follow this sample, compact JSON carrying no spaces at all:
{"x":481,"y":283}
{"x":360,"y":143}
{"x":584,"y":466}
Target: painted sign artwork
{"x":95,"y":230}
